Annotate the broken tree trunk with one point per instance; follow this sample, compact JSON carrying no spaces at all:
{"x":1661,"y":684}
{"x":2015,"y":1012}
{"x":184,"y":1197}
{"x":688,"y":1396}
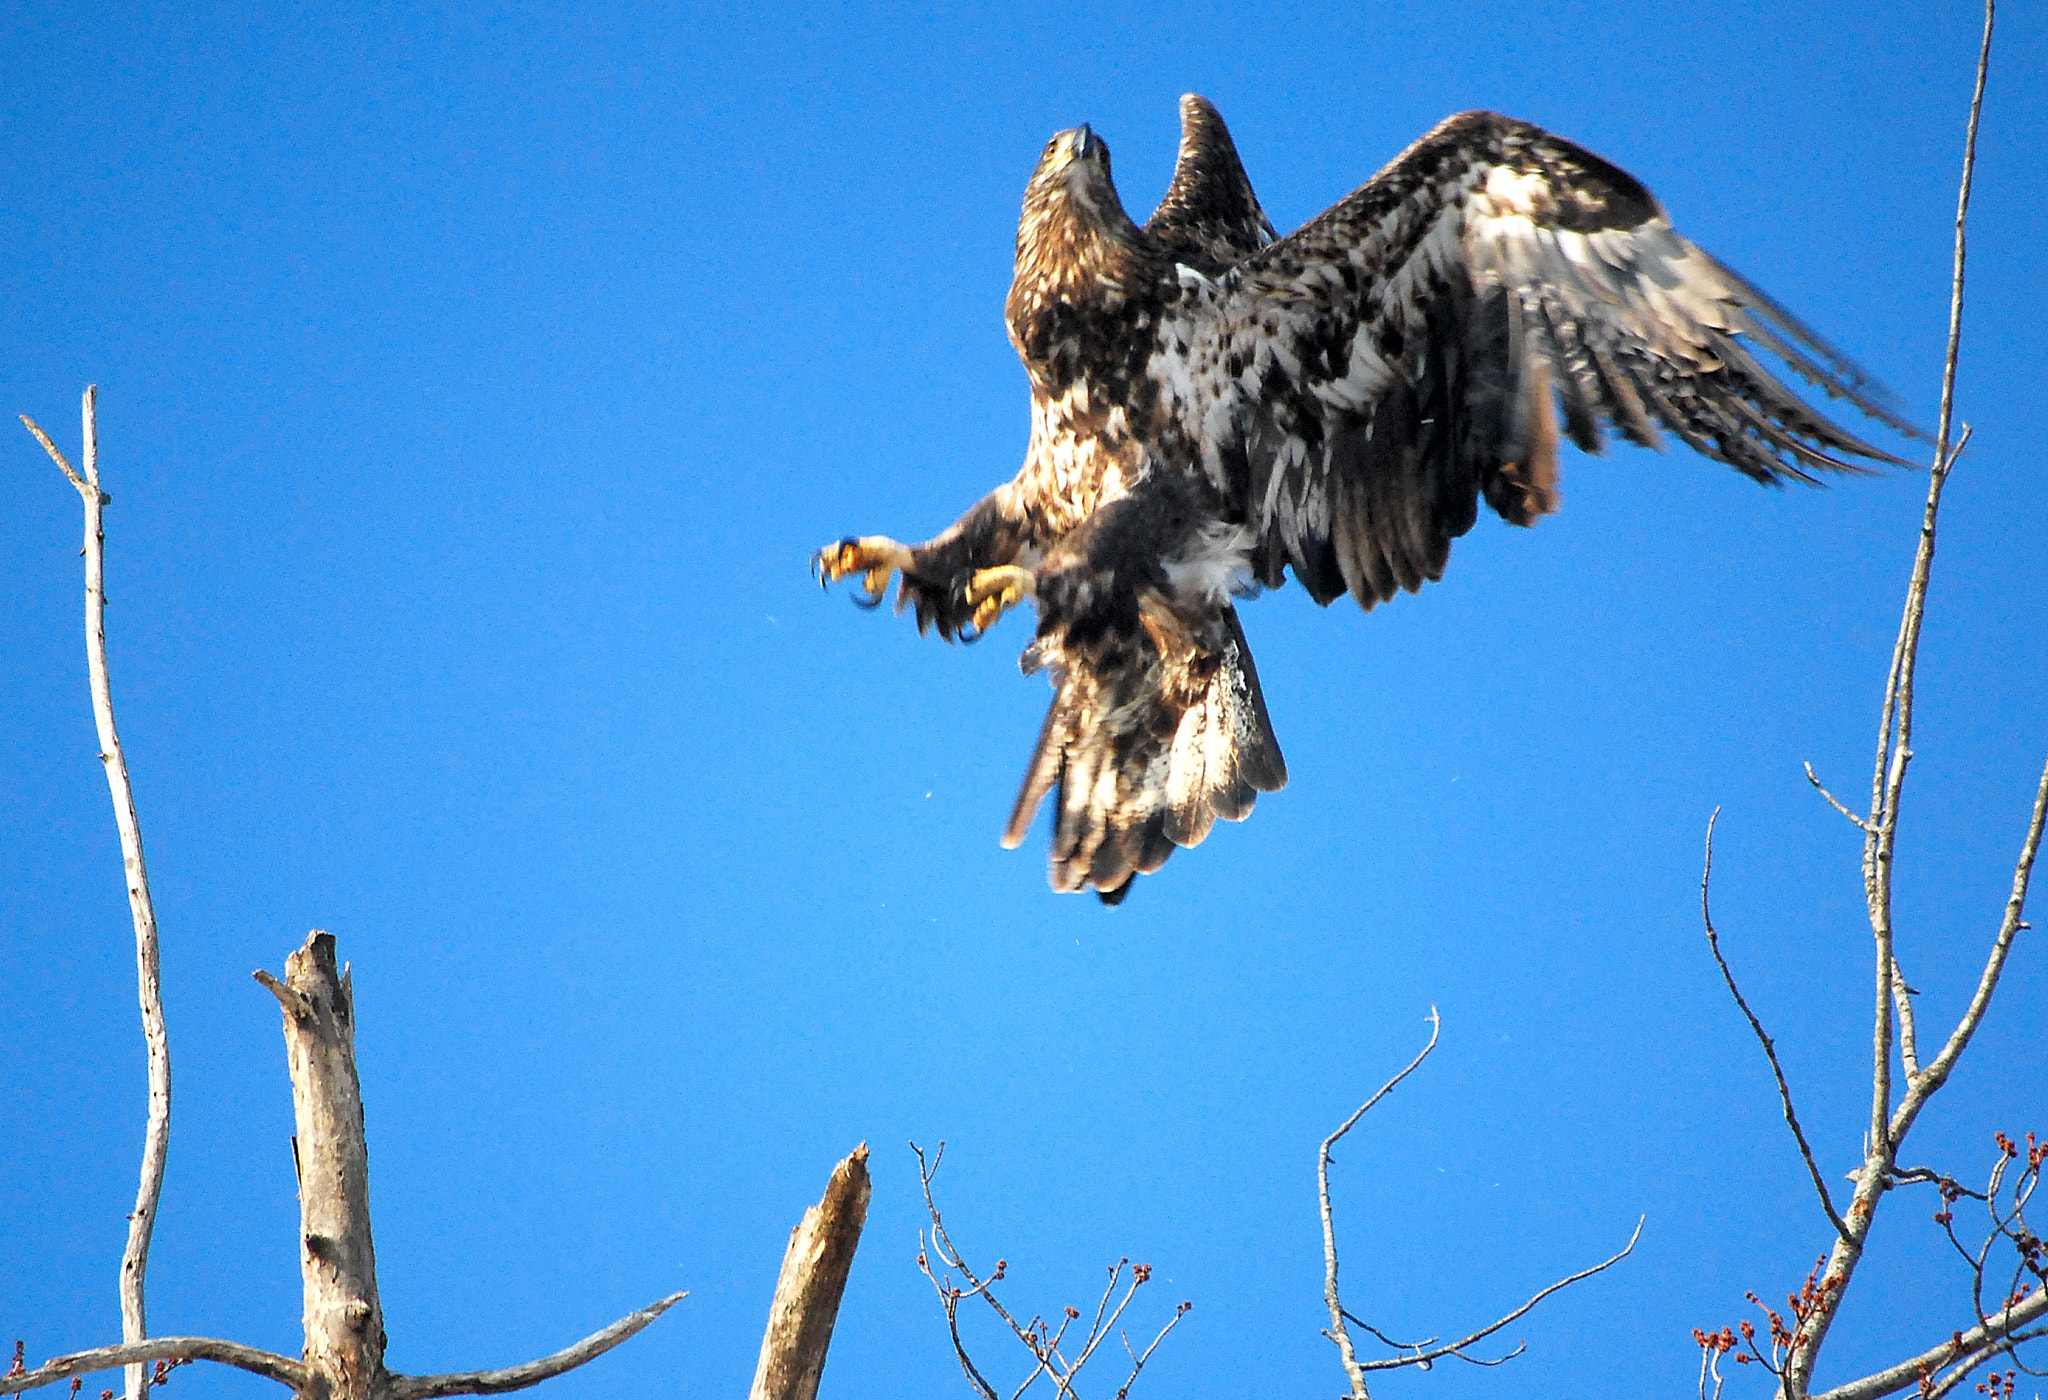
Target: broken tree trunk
{"x":337,"y":1258}
{"x":813,"y":1280}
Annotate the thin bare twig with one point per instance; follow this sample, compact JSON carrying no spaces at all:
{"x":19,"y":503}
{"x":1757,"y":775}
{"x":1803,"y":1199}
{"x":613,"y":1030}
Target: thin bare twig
{"x":1350,"y":1316}
{"x":157,"y":1132}
{"x":1039,"y":1338}
{"x":1138,"y":1360}
{"x":1337,"y":1331}
{"x":1914,"y":1176}
{"x":950,"y":1296}
{"x":1098,"y":1330}
{"x":1457,"y":1348}
{"x":1836,"y":802}
{"x":1827,"y":1202}
{"x":281,"y":1369}
{"x":533,"y":1372}
{"x":1963,"y":1373}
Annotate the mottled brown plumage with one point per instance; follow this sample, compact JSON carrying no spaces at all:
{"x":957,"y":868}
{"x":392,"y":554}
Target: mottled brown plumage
{"x":1212,"y":408}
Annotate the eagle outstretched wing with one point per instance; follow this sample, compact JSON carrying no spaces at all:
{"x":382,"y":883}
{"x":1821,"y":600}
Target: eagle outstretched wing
{"x":1364,"y":381}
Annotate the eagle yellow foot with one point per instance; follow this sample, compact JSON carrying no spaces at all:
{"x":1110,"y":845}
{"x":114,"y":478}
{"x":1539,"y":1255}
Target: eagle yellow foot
{"x":874,"y":557}
{"x":993,"y":592}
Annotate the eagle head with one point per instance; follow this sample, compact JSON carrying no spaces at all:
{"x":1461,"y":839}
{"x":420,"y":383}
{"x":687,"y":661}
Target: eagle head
{"x":1074,"y":226}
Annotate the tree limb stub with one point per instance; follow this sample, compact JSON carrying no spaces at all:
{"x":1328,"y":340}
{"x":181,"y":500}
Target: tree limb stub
{"x":814,"y":1271}
{"x":337,"y":1258}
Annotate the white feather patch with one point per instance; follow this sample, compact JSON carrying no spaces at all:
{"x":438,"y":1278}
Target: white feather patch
{"x":1214,"y":566}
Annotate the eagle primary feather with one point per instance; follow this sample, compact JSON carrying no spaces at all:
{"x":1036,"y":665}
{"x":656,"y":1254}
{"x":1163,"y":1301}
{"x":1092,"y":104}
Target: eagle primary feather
{"x":1212,"y":407}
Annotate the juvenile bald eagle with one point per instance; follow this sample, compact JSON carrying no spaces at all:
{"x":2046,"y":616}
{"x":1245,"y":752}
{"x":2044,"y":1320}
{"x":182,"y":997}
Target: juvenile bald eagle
{"x":1212,"y":406}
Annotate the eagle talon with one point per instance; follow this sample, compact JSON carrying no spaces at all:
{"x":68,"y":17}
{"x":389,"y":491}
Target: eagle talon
{"x":993,"y":592}
{"x":875,"y":557}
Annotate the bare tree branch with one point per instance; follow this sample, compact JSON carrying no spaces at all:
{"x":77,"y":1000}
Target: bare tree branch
{"x":51,"y":448}
{"x":1827,"y":1202}
{"x":1835,"y":802}
{"x":281,"y":1369}
{"x":1981,"y":1342}
{"x":1337,"y":1331}
{"x":1994,"y":966}
{"x":1909,"y":1042}
{"x":813,"y":1279}
{"x":949,"y":1295}
{"x":1040,"y":1338}
{"x":156,"y":1139}
{"x":1139,"y":1359}
{"x":1935,"y":1392}
{"x":1425,"y":1353}
{"x":533,"y":1372}
{"x":344,"y":1325}
{"x":1888,"y":1128}
{"x":1457,"y":1348}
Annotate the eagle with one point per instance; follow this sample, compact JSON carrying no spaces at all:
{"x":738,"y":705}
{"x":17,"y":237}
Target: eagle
{"x":1213,"y":406}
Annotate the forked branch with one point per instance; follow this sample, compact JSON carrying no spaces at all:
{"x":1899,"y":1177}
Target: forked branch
{"x":344,"y":1353}
{"x":1427,"y":1352}
{"x":1889,"y":1126}
{"x":1337,"y":1332}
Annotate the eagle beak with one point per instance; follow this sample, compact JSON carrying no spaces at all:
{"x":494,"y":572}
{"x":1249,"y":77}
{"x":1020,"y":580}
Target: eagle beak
{"x":1084,"y":144}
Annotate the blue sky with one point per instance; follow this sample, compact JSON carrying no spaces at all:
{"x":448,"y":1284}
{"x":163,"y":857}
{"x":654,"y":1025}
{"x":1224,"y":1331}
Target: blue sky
{"x":473,"y":387}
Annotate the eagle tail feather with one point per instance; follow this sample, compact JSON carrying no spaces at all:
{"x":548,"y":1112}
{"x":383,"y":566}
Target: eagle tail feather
{"x":1145,"y":758}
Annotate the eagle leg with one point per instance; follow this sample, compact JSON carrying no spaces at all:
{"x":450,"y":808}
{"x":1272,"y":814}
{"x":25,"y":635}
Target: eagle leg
{"x":993,"y":592}
{"x":875,"y":557}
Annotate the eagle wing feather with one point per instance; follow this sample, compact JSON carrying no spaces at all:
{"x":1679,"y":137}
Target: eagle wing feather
{"x":1362,"y":383}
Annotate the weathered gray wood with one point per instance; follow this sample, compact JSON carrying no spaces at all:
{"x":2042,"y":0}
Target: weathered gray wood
{"x":156,"y":1137}
{"x":813,"y":1280}
{"x":83,"y":1363}
{"x":531,"y":1372}
{"x":337,"y":1260}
